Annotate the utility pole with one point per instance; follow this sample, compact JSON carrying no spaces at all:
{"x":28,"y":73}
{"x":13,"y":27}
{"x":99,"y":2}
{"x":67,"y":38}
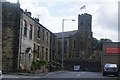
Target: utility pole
{"x":63,"y":40}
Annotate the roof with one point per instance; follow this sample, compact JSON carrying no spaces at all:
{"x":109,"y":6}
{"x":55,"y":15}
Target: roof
{"x":35,"y":20}
{"x":111,"y":43}
{"x":66,"y":34}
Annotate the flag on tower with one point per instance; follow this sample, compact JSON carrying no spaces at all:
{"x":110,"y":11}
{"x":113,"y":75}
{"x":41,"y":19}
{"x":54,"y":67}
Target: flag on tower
{"x":83,"y":7}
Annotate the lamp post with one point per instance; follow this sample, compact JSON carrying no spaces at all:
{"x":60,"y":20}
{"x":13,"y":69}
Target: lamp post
{"x":63,"y":39}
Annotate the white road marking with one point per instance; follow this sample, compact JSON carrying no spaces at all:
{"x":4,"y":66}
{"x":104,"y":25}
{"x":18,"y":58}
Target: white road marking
{"x":78,"y":75}
{"x":49,"y":74}
{"x":83,"y":72}
{"x":16,"y":77}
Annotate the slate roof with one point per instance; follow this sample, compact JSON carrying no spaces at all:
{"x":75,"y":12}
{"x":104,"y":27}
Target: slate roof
{"x":66,"y":34}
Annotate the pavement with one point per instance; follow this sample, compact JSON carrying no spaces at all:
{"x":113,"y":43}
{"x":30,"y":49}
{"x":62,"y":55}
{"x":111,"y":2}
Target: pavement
{"x":40,"y":74}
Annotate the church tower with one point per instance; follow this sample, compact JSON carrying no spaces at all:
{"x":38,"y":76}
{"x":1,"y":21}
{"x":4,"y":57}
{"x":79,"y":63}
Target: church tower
{"x":85,"y":31}
{"x":84,"y":23}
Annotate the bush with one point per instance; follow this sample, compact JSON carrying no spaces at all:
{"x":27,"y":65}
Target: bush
{"x":36,"y":65}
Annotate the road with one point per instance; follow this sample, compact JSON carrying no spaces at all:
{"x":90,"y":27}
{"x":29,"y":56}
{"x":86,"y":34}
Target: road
{"x":61,"y":75}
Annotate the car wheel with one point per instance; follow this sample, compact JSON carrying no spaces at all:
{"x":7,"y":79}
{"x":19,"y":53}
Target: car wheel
{"x":116,"y":75}
{"x":104,"y":74}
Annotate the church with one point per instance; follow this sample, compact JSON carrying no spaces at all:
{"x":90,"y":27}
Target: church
{"x":77,"y":43}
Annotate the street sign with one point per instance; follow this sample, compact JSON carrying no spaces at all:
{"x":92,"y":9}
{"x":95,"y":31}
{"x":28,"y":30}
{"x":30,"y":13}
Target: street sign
{"x":76,"y":67}
{"x":113,"y":50}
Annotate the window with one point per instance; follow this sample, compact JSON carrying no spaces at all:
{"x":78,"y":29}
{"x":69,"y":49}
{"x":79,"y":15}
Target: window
{"x":38,"y":48}
{"x":46,"y":53}
{"x":30,"y":32}
{"x":47,"y":37}
{"x":74,"y":45}
{"x":42,"y":52}
{"x":38,"y":31}
{"x":34,"y":46}
{"x":77,"y":55}
{"x":65,"y":46}
{"x":25,"y":28}
{"x":54,"y":55}
{"x":59,"y":47}
{"x":54,"y":40}
{"x":81,"y":44}
{"x":43,"y":34}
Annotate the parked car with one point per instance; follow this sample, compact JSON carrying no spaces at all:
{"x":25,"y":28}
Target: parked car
{"x":110,"y":69}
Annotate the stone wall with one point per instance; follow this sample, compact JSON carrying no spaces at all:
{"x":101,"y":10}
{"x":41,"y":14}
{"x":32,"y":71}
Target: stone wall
{"x":85,"y":64}
{"x":10,"y":36}
{"x":0,"y":35}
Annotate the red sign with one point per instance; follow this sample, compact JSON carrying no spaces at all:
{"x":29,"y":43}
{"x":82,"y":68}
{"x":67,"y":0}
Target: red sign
{"x":113,"y":50}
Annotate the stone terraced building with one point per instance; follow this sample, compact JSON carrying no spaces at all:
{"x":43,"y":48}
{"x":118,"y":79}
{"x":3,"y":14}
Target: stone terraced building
{"x":24,"y":39}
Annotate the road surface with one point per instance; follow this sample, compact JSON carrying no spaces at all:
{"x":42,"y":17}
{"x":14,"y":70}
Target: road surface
{"x":61,"y":75}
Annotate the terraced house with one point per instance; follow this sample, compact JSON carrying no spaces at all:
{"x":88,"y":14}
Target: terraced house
{"x":24,"y":39}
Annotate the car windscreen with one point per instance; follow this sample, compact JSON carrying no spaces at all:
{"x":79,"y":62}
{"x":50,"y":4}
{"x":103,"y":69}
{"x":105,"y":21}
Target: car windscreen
{"x":110,"y":65}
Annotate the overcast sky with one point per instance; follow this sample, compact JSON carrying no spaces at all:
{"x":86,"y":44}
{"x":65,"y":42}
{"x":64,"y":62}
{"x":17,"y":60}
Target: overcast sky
{"x":51,"y":12}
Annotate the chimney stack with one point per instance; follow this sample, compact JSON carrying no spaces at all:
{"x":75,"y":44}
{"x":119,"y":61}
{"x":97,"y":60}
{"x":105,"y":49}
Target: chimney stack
{"x":29,"y":13}
{"x":37,"y":19}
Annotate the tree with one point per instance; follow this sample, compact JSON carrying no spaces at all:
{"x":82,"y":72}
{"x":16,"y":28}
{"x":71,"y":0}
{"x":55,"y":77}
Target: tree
{"x":103,"y":40}
{"x":96,"y":44}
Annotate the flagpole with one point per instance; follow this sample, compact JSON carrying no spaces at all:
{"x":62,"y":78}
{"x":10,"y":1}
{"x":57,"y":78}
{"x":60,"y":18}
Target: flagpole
{"x":83,"y":7}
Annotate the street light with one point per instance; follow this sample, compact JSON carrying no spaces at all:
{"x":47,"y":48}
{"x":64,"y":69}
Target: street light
{"x":63,"y":39}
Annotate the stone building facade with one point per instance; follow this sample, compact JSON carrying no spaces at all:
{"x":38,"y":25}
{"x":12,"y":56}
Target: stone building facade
{"x":27,"y":39}
{"x":77,"y":44}
{"x":10,"y":36}
{"x":0,"y":35}
{"x":43,"y":42}
{"x":24,"y":39}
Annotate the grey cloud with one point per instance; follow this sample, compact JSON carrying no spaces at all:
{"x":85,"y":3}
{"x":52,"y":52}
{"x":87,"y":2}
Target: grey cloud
{"x":3,"y":0}
{"x":107,"y":19}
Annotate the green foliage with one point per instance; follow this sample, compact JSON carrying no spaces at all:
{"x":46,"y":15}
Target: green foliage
{"x":36,"y":65}
{"x":96,"y":56}
{"x":43,"y":63}
{"x":97,"y":44}
{"x":102,"y":40}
